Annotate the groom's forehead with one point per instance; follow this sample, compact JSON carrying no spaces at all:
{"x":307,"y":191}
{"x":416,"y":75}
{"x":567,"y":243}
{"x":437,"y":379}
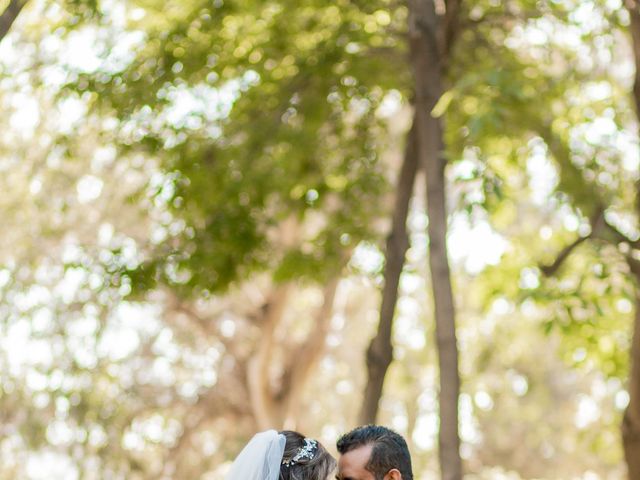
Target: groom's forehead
{"x":360,"y":453}
{"x":351,"y":464}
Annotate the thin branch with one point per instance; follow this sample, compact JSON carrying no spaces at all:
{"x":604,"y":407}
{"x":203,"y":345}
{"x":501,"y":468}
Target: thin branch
{"x":597,"y":223}
{"x":599,"y":226}
{"x":9,"y":16}
{"x":451,"y":27}
{"x":550,"y":270}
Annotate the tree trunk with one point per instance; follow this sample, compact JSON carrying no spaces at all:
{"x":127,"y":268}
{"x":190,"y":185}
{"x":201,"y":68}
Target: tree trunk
{"x":631,"y":421}
{"x":259,"y":372}
{"x":380,"y":351}
{"x":424,"y":31}
{"x":633,"y":7}
{"x":306,"y":357}
{"x":9,"y":16}
{"x":277,"y":404}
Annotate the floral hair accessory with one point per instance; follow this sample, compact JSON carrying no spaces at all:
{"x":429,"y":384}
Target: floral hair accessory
{"x":307,"y":451}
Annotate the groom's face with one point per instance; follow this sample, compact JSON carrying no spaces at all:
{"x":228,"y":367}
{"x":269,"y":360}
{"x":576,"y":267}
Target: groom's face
{"x":351,"y":465}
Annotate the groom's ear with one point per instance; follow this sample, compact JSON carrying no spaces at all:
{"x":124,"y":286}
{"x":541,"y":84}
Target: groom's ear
{"x":393,"y":474}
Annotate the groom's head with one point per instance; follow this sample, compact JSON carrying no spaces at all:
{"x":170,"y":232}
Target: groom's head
{"x":373,"y":452}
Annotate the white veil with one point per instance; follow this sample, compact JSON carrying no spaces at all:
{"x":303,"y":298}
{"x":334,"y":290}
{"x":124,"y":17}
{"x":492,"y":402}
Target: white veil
{"x":260,"y":459}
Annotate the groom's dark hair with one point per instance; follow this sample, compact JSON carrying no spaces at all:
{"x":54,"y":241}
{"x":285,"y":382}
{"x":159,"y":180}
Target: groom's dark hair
{"x":389,"y":450}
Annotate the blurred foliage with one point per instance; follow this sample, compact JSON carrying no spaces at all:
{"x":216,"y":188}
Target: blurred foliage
{"x":165,"y":163}
{"x":284,"y":127}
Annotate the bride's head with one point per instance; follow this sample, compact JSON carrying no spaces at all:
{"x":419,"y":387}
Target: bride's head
{"x":305,"y":459}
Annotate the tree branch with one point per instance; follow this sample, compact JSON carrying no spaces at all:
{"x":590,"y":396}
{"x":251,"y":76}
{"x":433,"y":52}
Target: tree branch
{"x":9,"y":16}
{"x":634,"y":265}
{"x":634,"y":15}
{"x":306,"y":356}
{"x":597,"y":222}
{"x":258,"y":370}
{"x":550,"y":270}
{"x":450,"y":27}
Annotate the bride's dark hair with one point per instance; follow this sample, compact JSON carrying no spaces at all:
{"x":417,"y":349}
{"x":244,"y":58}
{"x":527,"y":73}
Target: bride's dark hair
{"x":317,"y":468}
